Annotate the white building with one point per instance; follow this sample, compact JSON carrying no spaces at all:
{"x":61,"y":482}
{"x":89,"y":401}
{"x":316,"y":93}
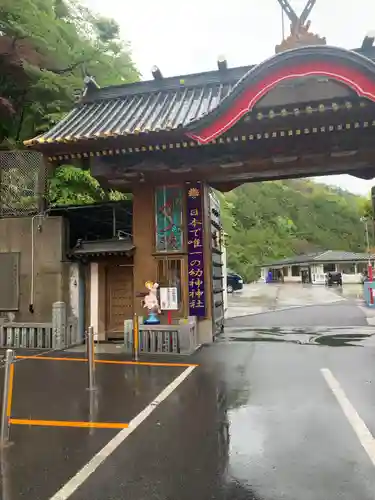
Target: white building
{"x":314,"y":266}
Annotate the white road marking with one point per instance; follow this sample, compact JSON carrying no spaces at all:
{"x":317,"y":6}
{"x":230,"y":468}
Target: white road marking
{"x":76,"y":481}
{"x":364,"y":435}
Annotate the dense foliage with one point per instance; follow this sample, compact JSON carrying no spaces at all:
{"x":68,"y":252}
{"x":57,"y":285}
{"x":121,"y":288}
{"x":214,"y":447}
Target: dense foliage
{"x":272,"y":220}
{"x":74,"y":186}
{"x":46,"y":49}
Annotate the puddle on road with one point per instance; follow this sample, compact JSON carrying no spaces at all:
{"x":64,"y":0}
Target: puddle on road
{"x":252,"y":299}
{"x":342,"y":340}
{"x":332,"y":337}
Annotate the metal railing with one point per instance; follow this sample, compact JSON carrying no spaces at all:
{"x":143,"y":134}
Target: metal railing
{"x":37,"y":335}
{"x":26,"y":335}
{"x":8,"y":364}
{"x":160,"y":339}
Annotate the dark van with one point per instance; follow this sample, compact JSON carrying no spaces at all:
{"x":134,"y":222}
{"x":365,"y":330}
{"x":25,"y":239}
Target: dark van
{"x":234,"y":282}
{"x":334,"y":278}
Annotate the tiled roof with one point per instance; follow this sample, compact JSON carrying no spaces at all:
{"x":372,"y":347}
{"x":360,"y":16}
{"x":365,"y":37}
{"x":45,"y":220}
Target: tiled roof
{"x":145,"y":107}
{"x":103,"y":247}
{"x":338,"y":256}
{"x":296,"y":259}
{"x":153,"y":106}
{"x":327,"y":256}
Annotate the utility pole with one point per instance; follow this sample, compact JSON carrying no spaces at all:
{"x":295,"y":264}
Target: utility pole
{"x":370,"y":274}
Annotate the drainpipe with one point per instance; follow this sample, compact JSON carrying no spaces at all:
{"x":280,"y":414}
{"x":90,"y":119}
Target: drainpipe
{"x":32,"y":285}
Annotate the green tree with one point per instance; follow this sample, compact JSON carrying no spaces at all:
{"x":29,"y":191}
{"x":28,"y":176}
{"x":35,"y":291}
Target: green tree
{"x":74,"y":186}
{"x":46,"y":46}
{"x":271,"y":220}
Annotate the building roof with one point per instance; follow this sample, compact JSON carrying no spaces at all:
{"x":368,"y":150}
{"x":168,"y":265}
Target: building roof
{"x":183,"y":102}
{"x":143,"y":107}
{"x":296,"y":259}
{"x":324,"y":256}
{"x":103,"y":247}
{"x":341,"y":256}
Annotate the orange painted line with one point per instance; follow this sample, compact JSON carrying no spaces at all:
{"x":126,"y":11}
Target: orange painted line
{"x":10,"y":391}
{"x":68,"y":423}
{"x":142,"y":363}
{"x":49,"y":358}
{"x":111,"y":361}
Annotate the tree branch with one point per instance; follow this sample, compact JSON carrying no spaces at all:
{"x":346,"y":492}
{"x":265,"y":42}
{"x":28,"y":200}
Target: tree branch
{"x":73,"y":66}
{"x":16,"y":39}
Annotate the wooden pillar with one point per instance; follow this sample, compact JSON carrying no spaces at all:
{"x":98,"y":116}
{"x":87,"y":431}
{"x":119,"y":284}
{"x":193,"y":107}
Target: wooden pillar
{"x":144,"y":241}
{"x":102,"y":306}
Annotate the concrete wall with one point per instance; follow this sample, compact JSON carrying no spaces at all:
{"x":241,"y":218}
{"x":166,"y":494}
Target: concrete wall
{"x":292,"y":279}
{"x":51,"y":275}
{"x":351,"y":278}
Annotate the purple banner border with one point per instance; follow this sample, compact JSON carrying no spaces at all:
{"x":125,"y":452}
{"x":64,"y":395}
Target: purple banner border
{"x":197,"y":296}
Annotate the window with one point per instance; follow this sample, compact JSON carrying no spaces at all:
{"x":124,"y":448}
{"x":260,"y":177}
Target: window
{"x":169,"y":219}
{"x":295,"y":271}
{"x":170,"y":275}
{"x":327,"y":268}
{"x":362,"y":267}
{"x":347,"y":268}
{"x":9,"y":282}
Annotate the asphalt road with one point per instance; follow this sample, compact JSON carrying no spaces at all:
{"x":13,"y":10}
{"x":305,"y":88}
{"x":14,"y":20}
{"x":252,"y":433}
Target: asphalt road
{"x":269,"y":413}
{"x":256,"y":421}
{"x":345,"y":313}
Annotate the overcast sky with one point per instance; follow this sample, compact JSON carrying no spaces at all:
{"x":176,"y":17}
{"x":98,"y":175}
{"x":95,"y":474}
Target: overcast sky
{"x":187,"y":37}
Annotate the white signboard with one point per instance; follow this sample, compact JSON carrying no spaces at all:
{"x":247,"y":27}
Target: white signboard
{"x":168,"y":298}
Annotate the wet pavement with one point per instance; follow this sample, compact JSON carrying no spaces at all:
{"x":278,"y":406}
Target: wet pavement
{"x":41,"y":459}
{"x":256,"y":420}
{"x":338,"y":314}
{"x":123,"y":391}
{"x":258,"y":298}
{"x":314,"y":336}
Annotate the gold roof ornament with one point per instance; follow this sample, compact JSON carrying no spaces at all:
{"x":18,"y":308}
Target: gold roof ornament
{"x":300,"y":36}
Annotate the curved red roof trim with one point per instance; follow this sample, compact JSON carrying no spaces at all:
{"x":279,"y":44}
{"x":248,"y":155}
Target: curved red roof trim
{"x":353,"y":78}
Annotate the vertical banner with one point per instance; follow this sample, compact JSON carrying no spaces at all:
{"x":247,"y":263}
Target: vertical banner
{"x":197,"y":302}
{"x":168,"y":219}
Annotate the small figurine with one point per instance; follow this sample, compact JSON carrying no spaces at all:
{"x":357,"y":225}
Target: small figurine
{"x":152,"y":304}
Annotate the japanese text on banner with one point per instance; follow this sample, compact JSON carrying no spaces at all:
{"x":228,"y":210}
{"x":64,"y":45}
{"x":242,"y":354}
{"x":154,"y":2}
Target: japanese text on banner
{"x":197,"y":302}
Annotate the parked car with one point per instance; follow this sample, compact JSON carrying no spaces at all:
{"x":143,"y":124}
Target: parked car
{"x":234,"y":282}
{"x":334,"y":278}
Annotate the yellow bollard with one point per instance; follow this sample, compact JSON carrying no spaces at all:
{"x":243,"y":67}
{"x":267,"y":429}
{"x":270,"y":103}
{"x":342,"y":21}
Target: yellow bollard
{"x":7,"y":397}
{"x":91,"y":358}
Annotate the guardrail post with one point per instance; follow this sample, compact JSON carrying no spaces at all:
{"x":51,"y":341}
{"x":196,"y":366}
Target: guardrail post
{"x":58,"y":325}
{"x":91,"y":357}
{"x":136,"y":336}
{"x":7,"y":397}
